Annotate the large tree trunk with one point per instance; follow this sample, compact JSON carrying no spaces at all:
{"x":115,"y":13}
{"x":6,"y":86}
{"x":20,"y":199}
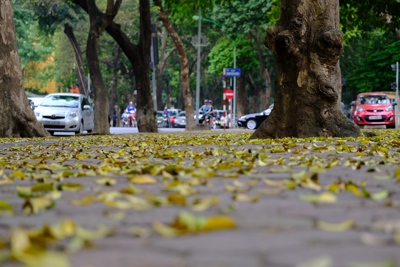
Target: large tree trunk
{"x":307,"y":44}
{"x":78,"y":59}
{"x":98,"y":23}
{"x":16,"y":116}
{"x":146,"y":118}
{"x":114,"y":83}
{"x":184,"y":64}
{"x":160,"y":69}
{"x":138,"y":56}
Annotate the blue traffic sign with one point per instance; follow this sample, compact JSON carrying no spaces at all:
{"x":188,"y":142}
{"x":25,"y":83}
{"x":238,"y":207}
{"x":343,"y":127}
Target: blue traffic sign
{"x":232,"y":72}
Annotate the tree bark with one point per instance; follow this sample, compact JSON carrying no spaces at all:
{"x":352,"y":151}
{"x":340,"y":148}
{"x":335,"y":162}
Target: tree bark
{"x":78,"y":59}
{"x":114,"y":83}
{"x":98,"y":23}
{"x":307,"y":45}
{"x":184,"y":64}
{"x":16,"y":116}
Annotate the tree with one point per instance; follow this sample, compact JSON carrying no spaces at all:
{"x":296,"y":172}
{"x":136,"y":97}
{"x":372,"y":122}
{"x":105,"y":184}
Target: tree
{"x":307,"y":45}
{"x":184,"y":64}
{"x":17,"y":117}
{"x":138,"y":55}
{"x":370,"y":14}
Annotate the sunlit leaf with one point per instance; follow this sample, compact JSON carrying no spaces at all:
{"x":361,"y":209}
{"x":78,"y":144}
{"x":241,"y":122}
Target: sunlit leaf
{"x":86,"y":200}
{"x":177,"y":199}
{"x":106,"y":181}
{"x":382,"y":177}
{"x":43,"y":258}
{"x":166,"y":231}
{"x":205,"y":203}
{"x":300,"y":175}
{"x":19,"y":240}
{"x":142,"y":179}
{"x":6,"y":209}
{"x":18,"y":174}
{"x":274,"y":183}
{"x":139,"y":232}
{"x":381,"y":195}
{"x":335,"y":227}
{"x":42,"y":187}
{"x":388,"y":263}
{"x":323,"y":261}
{"x":325,"y":197}
{"x":131,"y":189}
{"x":218,"y":222}
{"x":74,"y":187}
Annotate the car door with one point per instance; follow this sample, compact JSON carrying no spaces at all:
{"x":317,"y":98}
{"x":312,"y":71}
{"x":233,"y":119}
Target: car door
{"x":87,"y":115}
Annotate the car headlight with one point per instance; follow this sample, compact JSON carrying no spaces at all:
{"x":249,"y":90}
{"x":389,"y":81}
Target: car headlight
{"x":73,"y":114}
{"x":242,"y":118}
{"x":389,"y":108}
{"x":360,"y":109}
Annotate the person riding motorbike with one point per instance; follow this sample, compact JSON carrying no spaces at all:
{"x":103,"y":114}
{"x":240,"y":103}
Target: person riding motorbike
{"x":207,"y":110}
{"x":132,"y":114}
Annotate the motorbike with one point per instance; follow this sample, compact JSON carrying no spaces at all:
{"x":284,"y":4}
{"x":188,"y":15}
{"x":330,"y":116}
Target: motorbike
{"x":132,"y":118}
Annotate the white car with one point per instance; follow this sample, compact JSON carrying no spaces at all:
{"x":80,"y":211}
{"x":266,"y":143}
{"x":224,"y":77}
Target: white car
{"x":65,"y":112}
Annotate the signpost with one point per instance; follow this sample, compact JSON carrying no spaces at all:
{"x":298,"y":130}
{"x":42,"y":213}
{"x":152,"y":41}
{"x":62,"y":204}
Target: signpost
{"x":229,"y":94}
{"x":233,"y":72}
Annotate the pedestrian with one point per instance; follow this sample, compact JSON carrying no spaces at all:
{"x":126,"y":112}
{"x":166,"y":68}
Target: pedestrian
{"x":114,"y":118}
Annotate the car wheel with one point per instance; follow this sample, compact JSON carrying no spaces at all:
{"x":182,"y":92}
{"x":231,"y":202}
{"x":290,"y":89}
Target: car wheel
{"x":251,"y":124}
{"x":80,"y":130}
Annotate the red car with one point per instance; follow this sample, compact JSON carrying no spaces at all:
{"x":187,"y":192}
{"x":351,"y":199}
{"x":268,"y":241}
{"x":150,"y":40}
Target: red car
{"x":374,"y":109}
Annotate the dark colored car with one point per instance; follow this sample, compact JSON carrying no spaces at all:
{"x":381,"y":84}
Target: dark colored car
{"x":253,"y":121}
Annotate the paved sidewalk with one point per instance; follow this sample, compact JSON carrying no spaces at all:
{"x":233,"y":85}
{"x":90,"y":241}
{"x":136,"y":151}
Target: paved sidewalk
{"x":269,"y":188}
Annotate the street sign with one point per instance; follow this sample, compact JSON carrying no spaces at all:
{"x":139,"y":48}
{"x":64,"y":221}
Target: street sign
{"x":229,"y":94}
{"x":232,"y":72}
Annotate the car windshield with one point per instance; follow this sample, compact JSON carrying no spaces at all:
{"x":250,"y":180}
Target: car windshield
{"x":373,"y":99}
{"x":61,"y":101}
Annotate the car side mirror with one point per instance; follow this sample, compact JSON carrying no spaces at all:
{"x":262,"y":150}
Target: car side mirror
{"x":86,"y":107}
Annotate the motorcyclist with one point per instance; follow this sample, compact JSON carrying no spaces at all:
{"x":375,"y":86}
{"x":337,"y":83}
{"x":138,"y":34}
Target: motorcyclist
{"x":166,"y":115}
{"x":207,"y":110}
{"x":132,"y":114}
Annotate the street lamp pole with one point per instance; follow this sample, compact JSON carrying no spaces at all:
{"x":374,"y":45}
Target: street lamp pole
{"x":198,"y":68}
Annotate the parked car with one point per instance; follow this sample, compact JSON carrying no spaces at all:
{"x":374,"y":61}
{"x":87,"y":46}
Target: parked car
{"x":374,"y":109}
{"x":161,"y":119}
{"x":253,"y":121}
{"x":31,"y":104}
{"x":65,"y":112}
{"x":173,"y":112}
{"x":180,"y":120}
{"x":35,"y":101}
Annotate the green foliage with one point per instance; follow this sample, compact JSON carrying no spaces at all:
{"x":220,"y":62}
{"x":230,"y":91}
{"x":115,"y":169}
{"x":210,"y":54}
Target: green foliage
{"x":241,"y":16}
{"x":372,"y":61}
{"x":51,"y":15}
{"x":221,"y":56}
{"x":368,"y":15}
{"x":31,"y":46}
